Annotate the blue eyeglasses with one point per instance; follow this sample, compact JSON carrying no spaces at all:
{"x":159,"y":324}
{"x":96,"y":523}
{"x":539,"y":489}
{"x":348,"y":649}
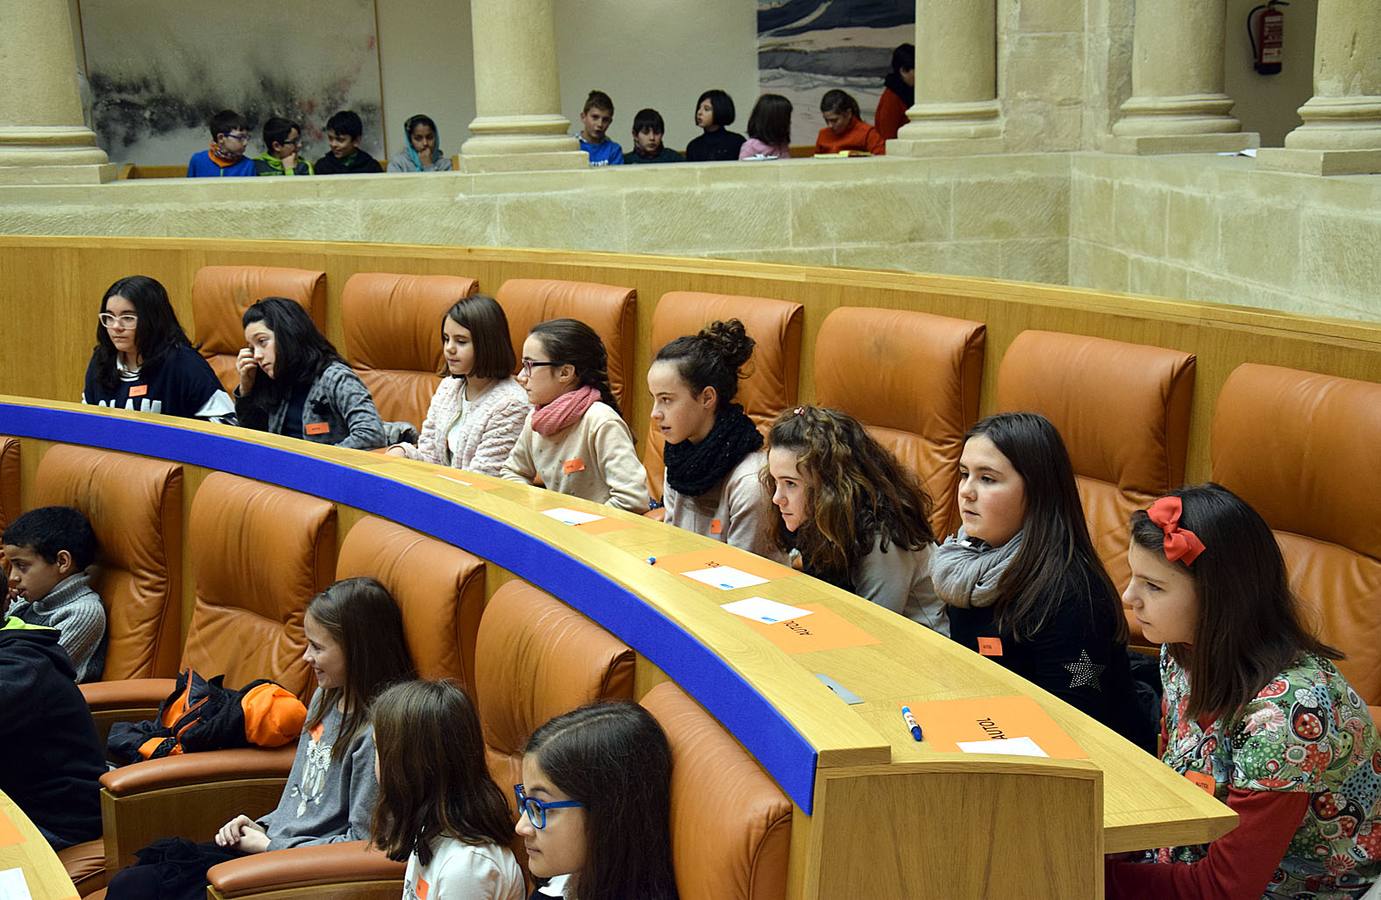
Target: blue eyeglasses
{"x":537,"y":809}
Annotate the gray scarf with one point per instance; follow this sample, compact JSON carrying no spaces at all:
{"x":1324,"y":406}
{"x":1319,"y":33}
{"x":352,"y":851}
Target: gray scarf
{"x":966,"y":571}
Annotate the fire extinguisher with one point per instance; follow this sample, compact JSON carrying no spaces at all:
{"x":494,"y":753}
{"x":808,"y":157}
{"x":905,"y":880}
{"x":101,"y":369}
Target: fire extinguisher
{"x":1266,"y":31}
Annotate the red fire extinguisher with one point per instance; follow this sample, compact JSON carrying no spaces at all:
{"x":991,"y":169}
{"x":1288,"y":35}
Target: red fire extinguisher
{"x":1266,"y":31}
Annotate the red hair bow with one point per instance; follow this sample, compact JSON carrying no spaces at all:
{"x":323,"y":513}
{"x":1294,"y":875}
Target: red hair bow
{"x":1180,"y":543}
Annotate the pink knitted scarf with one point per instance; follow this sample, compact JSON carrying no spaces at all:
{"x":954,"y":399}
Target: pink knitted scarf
{"x":564,"y":411}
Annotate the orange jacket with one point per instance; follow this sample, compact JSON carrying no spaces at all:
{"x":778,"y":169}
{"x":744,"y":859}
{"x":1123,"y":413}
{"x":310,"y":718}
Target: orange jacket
{"x":891,"y":114}
{"x":860,"y":136}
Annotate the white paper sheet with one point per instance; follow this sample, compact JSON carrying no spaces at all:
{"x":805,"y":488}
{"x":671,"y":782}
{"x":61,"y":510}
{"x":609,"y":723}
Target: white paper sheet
{"x":13,"y":886}
{"x":725,"y":577}
{"x":1017,"y":746}
{"x":760,"y":609}
{"x":571,"y":516}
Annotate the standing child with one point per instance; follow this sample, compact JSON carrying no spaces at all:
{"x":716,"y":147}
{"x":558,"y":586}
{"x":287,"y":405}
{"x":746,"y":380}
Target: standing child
{"x":48,"y":551}
{"x":898,"y":93}
{"x":225,"y":158}
{"x":294,"y":383}
{"x":574,"y":437}
{"x":478,"y":411}
{"x":769,"y":129}
{"x":438,"y":808}
{"x":648,"y":129}
{"x":594,"y":806}
{"x":1023,"y":583}
{"x":423,"y":152}
{"x":595,"y":118}
{"x":282,"y":150}
{"x":713,"y":450}
{"x":854,"y":515}
{"x":1254,"y":711}
{"x":343,"y":132}
{"x":356,"y":648}
{"x":714,"y":112}
{"x":844,"y":128}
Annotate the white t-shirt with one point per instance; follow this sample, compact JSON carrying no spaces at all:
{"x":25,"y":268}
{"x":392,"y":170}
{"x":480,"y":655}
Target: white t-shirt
{"x":461,"y":871}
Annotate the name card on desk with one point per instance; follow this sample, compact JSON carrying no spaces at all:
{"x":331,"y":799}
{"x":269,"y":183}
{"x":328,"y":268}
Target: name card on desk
{"x":13,"y":886}
{"x":824,"y":629}
{"x":974,"y":723}
{"x":742,"y":569}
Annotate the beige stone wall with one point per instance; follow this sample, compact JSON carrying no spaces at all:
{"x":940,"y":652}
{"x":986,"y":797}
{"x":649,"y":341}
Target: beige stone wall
{"x":1041,"y":73}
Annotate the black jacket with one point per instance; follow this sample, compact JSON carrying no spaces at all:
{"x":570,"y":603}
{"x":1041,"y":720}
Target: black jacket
{"x":715,"y":146}
{"x":357,"y":163}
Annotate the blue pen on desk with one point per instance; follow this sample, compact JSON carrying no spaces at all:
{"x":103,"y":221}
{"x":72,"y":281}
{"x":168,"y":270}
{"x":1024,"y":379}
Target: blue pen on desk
{"x":911,"y":722}
{"x":652,"y":560}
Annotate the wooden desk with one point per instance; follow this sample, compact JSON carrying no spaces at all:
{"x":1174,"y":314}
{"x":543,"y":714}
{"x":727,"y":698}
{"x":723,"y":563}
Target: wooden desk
{"x":23,"y":847}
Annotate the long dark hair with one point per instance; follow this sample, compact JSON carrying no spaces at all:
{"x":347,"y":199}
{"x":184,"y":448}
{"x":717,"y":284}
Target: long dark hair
{"x":301,"y":352}
{"x":433,"y":781}
{"x":360,"y":615}
{"x":903,"y":57}
{"x":1055,"y":540}
{"x":1249,"y":627}
{"x":157,"y":334}
{"x":614,"y":758}
{"x":484,"y":318}
{"x":711,"y":358}
{"x":572,"y":341}
{"x":859,"y":494}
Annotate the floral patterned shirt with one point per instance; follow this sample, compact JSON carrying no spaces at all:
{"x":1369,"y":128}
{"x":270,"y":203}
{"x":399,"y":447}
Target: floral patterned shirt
{"x":1308,"y":731}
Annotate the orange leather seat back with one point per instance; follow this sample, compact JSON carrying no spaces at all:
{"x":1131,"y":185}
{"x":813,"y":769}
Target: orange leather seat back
{"x":730,"y":823}
{"x":535,"y":659}
{"x":1123,"y":412}
{"x":608,"y":309}
{"x":1301,"y":448}
{"x":392,"y":326}
{"x":262,"y":553}
{"x":439,"y":588}
{"x":134,"y":504}
{"x":913,"y":379}
{"x":9,"y":481}
{"x":772,"y":376}
{"x":221,"y":294}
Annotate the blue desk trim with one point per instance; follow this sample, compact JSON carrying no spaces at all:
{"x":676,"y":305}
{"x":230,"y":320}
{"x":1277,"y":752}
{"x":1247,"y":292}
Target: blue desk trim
{"x":777,"y":745}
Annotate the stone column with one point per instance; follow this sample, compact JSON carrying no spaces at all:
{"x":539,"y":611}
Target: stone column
{"x":43,"y":138}
{"x":518,"y":125}
{"x":1177,"y":103}
{"x":956,"y":111}
{"x":1341,"y":134}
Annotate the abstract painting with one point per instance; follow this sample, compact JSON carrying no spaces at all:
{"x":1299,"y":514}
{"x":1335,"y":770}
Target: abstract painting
{"x":159,"y":69}
{"x":807,"y":47}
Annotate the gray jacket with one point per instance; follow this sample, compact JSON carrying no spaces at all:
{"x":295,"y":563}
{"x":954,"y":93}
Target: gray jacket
{"x":337,"y":398}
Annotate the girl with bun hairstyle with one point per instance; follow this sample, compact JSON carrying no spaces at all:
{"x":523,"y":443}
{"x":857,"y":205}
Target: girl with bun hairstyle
{"x":850,"y":512}
{"x":1255,"y":712}
{"x":713,"y":450}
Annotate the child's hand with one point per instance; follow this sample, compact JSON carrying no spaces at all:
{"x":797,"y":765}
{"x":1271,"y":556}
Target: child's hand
{"x":247,"y":369}
{"x":244,"y":834}
{"x":290,"y":162}
{"x":396,"y":451}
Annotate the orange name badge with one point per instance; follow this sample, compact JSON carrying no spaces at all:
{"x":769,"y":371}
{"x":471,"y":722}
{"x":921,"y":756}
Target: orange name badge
{"x":317,"y":428}
{"x":572,"y":466}
{"x":138,"y":390}
{"x":9,"y":832}
{"x":422,"y":888}
{"x":990,"y":646}
{"x":716,"y":526}
{"x":1203,"y":781}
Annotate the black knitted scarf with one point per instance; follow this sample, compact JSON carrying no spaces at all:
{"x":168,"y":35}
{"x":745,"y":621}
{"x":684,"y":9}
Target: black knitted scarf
{"x":692,"y":469}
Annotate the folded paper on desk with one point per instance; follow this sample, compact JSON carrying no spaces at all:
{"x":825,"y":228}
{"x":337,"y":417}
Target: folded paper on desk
{"x":967,"y":725}
{"x":823,"y":630}
{"x":13,"y":886}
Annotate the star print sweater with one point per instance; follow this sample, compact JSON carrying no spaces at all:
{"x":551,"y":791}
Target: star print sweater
{"x":1076,"y":656}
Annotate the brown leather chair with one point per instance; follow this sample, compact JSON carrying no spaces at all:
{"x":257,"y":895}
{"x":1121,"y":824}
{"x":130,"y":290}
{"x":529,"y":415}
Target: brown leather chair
{"x":911,"y":378}
{"x":9,"y":481}
{"x":392,"y":327}
{"x":608,"y":309}
{"x":221,"y":294}
{"x":1301,"y":448}
{"x":772,"y":375}
{"x":730,"y":823}
{"x":1123,"y":411}
{"x":262,"y":553}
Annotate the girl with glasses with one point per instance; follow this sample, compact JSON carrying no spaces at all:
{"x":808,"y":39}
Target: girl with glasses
{"x":594,"y":805}
{"x":574,"y":438}
{"x":438,"y":808}
{"x":143,"y":361}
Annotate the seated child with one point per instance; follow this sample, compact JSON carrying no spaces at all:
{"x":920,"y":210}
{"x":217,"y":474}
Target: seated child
{"x":343,"y":131}
{"x":48,"y":550}
{"x":50,"y":757}
{"x":574,"y":437}
{"x":439,"y":809}
{"x":898,"y":93}
{"x":226,"y":155}
{"x":282,"y":150}
{"x":844,"y":127}
{"x":648,"y":129}
{"x":595,"y":119}
{"x":714,"y":113}
{"x":769,"y":129}
{"x":423,"y":152}
{"x":594,"y":807}
{"x":356,"y":648}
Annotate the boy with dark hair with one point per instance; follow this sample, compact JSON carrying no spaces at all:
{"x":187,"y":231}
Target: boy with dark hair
{"x":283,"y":150}
{"x":226,"y":156}
{"x":595,"y":119}
{"x":845,"y":131}
{"x":648,"y":129}
{"x":343,"y":131}
{"x":48,"y":550}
